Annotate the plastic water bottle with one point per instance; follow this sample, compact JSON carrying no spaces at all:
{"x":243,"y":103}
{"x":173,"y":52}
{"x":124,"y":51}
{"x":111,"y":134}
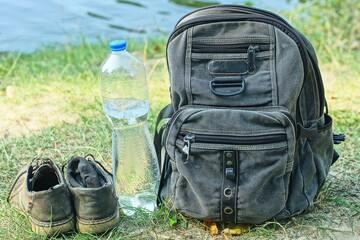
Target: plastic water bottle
{"x":125,"y":102}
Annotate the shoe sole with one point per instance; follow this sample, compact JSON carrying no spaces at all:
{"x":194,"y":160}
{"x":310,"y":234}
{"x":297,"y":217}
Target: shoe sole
{"x":48,"y":229}
{"x":98,"y":226}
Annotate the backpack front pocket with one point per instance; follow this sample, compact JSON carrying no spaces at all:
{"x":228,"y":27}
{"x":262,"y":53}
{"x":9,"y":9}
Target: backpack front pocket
{"x":234,"y":165}
{"x":231,"y":74}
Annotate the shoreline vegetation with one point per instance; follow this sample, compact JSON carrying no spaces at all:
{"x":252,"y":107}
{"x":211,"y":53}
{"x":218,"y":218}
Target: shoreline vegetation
{"x":50,"y":106}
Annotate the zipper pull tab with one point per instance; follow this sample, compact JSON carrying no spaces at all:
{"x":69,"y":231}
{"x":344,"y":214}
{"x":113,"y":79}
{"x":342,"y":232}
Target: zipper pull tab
{"x":252,"y":58}
{"x":188,"y":139}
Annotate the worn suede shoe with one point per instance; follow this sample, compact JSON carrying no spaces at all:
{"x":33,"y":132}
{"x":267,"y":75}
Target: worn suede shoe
{"x":93,"y":193}
{"x":39,"y":191}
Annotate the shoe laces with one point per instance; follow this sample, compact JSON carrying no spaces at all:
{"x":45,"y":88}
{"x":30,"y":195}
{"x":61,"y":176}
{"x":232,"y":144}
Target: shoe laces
{"x":36,"y":163}
{"x":52,"y":178}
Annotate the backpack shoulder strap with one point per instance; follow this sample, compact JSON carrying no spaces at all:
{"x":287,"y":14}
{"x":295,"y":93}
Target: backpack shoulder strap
{"x":165,"y":113}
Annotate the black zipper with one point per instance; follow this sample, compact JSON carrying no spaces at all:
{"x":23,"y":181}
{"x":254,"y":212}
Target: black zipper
{"x":288,"y":30}
{"x":227,"y":48}
{"x":233,"y":48}
{"x":235,"y":140}
{"x":239,"y":9}
{"x":190,"y":138}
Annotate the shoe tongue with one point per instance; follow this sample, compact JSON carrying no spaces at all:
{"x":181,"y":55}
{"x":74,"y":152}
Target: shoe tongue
{"x":88,"y":174}
{"x":82,"y":173}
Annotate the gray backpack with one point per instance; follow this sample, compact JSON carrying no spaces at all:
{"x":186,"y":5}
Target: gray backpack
{"x":247,"y":138}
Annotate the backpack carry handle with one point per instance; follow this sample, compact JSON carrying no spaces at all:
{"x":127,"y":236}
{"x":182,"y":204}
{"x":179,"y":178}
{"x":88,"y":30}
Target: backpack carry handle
{"x":237,"y":85}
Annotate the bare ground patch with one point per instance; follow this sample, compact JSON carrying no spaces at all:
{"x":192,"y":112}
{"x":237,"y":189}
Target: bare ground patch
{"x":30,"y":115}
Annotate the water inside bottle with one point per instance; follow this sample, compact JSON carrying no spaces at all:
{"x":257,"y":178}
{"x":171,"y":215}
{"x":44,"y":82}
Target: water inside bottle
{"x":134,"y":167}
{"x":125,"y":111}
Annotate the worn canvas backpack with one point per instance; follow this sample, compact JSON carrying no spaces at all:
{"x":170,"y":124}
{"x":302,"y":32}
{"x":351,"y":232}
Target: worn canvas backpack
{"x":248,"y":139}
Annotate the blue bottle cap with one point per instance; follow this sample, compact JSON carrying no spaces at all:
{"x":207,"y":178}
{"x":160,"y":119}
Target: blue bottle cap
{"x":117,"y":45}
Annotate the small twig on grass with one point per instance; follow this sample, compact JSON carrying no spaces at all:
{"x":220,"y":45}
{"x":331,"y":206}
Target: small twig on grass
{"x":334,"y":229}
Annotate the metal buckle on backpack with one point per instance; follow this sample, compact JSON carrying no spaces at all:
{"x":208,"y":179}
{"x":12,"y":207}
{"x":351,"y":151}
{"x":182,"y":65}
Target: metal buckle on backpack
{"x":237,"y":85}
{"x":188,"y":139}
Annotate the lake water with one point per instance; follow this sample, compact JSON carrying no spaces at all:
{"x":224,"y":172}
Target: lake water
{"x":26,"y":25}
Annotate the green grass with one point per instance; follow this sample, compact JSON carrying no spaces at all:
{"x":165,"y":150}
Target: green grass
{"x":332,"y":26}
{"x":59,"y":89}
{"x":67,"y":79}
